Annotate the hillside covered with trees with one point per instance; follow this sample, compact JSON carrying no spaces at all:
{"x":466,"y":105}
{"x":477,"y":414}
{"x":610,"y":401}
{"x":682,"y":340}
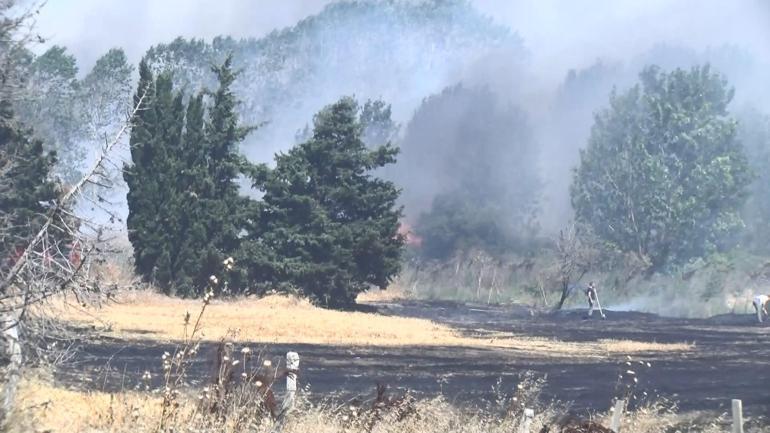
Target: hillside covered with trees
{"x":380,"y":142}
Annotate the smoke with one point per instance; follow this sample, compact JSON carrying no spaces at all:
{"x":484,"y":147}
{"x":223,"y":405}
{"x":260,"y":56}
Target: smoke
{"x":564,"y":34}
{"x":567,"y":58}
{"x":560,"y":34}
{"x":88,"y":28}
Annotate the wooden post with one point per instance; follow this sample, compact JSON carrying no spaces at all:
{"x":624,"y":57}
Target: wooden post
{"x":617,"y":415}
{"x":737,"y":416}
{"x":526,"y":422}
{"x":292,"y":365}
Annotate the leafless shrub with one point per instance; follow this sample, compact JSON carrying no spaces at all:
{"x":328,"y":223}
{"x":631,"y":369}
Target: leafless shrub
{"x":384,"y":407}
{"x":577,"y":252}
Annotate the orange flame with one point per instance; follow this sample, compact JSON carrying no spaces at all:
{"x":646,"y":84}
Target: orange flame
{"x":412,"y":239}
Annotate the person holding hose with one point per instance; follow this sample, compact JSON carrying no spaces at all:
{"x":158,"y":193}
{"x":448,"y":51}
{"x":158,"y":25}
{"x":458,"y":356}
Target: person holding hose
{"x":593,"y":300}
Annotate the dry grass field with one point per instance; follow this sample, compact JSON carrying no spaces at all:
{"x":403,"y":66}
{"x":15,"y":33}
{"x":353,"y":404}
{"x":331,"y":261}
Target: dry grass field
{"x":288,"y":320}
{"x":46,"y":405}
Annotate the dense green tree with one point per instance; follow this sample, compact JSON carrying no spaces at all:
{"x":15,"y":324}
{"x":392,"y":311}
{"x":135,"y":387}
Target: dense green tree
{"x":184,"y":204}
{"x":152,"y":178}
{"x":26,"y":189}
{"x":212,"y":204}
{"x":326,"y":226}
{"x":663,"y":174}
{"x":143,"y":195}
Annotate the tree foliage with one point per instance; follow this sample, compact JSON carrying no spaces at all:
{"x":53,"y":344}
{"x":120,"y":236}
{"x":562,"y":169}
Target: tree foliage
{"x":183,"y":199}
{"x":327,"y":227}
{"x":378,"y":127}
{"x":104,"y":95}
{"x":26,"y":189}
{"x":52,"y":87}
{"x":663,"y":174}
{"x":67,"y":112}
{"x":398,"y":51}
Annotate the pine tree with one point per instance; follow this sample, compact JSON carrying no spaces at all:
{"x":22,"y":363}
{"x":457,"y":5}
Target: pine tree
{"x":213,"y":206}
{"x":328,"y":228}
{"x":26,"y":189}
{"x":223,"y":135}
{"x":193,"y":178}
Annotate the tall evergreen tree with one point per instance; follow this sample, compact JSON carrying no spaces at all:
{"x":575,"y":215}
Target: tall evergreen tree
{"x":184,"y":203}
{"x":329,"y":228}
{"x":143,"y":185}
{"x":213,"y":209}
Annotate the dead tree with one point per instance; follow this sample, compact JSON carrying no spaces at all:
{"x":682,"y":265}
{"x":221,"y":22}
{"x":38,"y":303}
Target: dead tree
{"x":46,"y":266}
{"x":576,"y":254}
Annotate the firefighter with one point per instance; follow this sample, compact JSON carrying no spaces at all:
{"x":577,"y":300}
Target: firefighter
{"x":593,"y":300}
{"x":760,"y":306}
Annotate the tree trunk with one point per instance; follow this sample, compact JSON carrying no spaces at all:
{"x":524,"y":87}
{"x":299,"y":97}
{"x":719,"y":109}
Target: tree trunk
{"x":564,"y":294}
{"x":10,"y":365}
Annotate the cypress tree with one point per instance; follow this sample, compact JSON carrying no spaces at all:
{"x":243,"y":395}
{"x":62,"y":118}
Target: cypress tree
{"x":155,"y":143}
{"x":194,"y":182}
{"x":184,"y":204}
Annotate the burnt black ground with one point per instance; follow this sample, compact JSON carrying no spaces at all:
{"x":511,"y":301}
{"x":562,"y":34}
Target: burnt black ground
{"x":731,"y":359}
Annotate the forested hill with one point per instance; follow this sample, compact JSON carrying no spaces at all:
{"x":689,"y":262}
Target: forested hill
{"x":395,"y":50}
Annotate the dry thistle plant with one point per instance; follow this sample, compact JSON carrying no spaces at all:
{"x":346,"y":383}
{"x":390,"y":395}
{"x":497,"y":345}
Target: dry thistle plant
{"x":629,"y":387}
{"x":239,"y":394}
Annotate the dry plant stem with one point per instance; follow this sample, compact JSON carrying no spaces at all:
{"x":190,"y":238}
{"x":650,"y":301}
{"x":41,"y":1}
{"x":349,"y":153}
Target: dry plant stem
{"x":177,"y":367}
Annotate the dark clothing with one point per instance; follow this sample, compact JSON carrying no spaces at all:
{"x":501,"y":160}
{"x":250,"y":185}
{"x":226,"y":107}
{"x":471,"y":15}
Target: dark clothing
{"x":591,"y":294}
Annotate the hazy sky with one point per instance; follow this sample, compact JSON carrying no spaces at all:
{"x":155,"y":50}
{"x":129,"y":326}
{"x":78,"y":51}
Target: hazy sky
{"x":558,"y":32}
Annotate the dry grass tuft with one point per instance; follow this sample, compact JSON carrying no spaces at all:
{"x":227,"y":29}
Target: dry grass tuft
{"x":44,"y":407}
{"x":639,"y":347}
